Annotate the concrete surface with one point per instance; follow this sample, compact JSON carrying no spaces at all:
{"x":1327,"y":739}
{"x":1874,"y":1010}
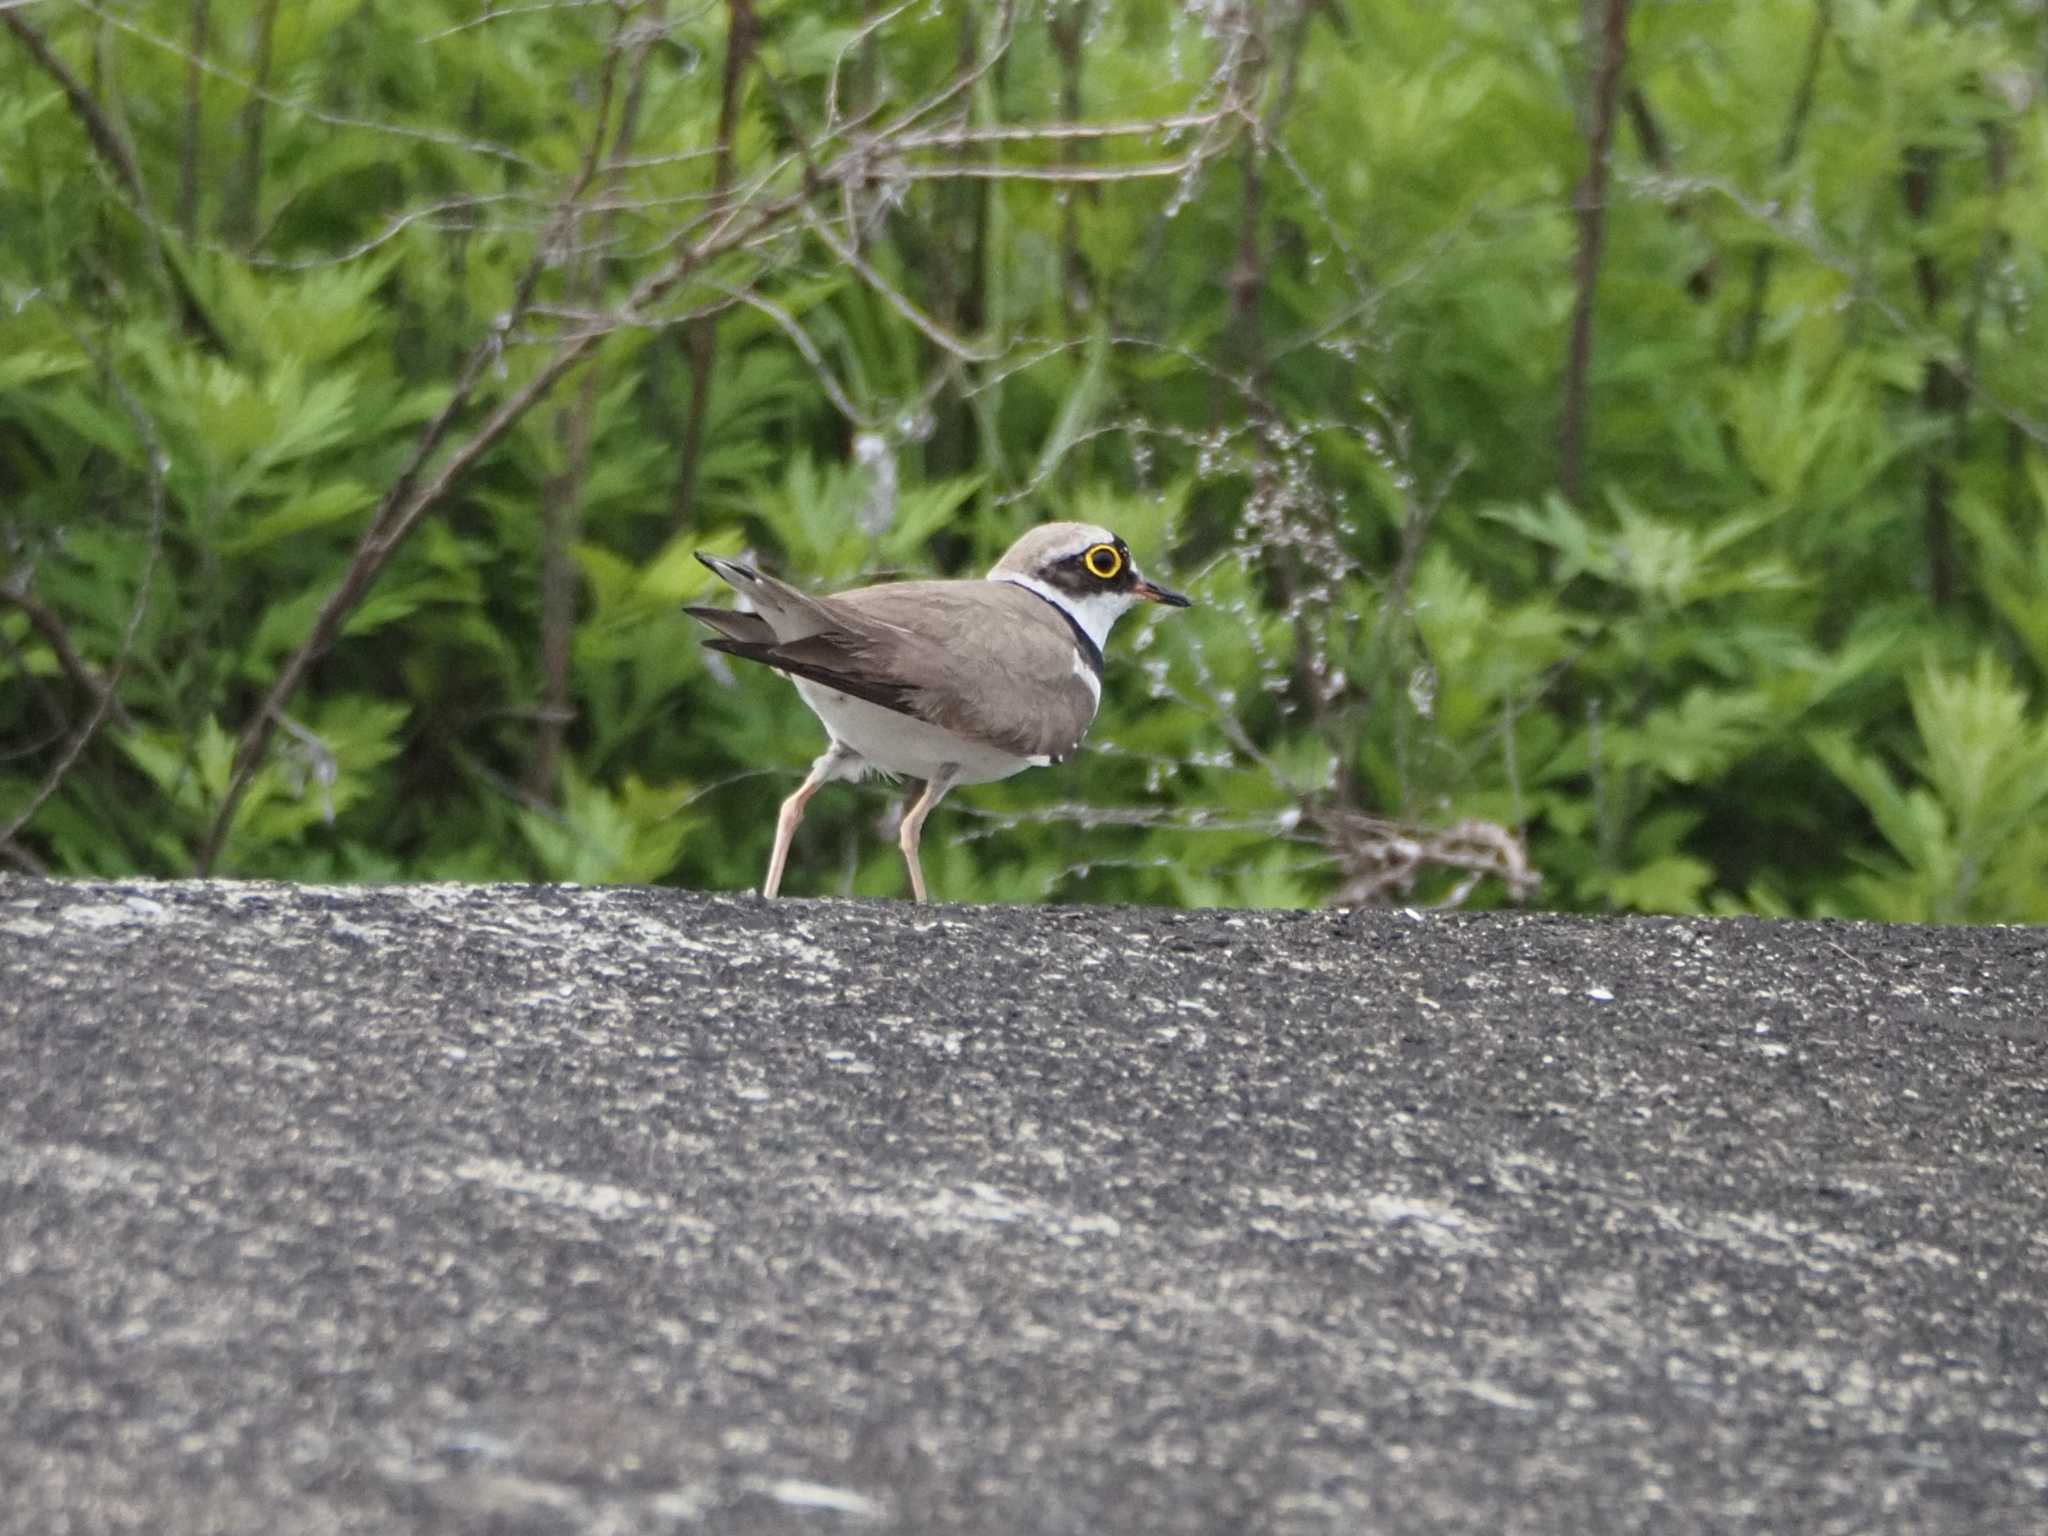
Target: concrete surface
{"x":539,"y":1210}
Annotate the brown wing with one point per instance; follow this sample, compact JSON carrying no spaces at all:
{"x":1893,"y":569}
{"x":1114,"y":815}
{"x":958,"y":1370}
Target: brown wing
{"x":828,"y":646}
{"x":841,"y":662}
{"x":984,"y":659}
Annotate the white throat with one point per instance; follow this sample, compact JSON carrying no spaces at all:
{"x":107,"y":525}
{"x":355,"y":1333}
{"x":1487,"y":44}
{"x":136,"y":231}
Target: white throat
{"x":1096,"y":614}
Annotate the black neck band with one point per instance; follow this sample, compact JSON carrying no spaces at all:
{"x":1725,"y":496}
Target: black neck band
{"x":1090,"y":651}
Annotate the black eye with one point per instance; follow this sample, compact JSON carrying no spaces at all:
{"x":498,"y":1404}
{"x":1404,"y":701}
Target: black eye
{"x":1104,"y":562}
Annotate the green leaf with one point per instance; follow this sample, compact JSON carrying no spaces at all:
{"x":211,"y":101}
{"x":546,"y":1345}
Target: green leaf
{"x":633,"y":834}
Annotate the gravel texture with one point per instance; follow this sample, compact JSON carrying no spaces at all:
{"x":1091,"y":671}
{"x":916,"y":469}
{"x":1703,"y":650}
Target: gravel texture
{"x":549,"y":1209}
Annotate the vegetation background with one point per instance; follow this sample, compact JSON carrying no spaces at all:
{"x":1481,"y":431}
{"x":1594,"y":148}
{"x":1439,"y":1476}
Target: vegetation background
{"x":1608,"y":442}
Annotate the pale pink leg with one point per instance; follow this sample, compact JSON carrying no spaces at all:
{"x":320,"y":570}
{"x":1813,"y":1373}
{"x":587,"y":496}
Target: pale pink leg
{"x":823,"y":771}
{"x":913,"y":824}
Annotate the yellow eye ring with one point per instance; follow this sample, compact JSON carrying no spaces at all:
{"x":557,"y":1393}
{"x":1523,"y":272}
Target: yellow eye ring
{"x":1103,"y":562}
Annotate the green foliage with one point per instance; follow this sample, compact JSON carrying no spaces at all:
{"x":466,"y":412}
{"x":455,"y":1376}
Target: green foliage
{"x":1785,"y":652}
{"x":1967,"y":839}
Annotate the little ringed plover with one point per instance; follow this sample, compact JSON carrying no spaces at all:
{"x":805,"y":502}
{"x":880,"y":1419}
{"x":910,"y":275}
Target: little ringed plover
{"x":946,"y":682}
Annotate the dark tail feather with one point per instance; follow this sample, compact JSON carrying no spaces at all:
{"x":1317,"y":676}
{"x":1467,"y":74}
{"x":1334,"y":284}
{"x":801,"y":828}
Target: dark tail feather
{"x":894,"y":696}
{"x":732,"y":572}
{"x":748,"y":628}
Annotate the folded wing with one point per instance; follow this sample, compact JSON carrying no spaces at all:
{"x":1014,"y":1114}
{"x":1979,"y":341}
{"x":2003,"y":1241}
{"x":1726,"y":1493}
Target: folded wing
{"x":985,"y":660}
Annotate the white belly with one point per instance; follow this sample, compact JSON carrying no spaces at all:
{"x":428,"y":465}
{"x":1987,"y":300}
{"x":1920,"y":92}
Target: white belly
{"x":904,"y":745}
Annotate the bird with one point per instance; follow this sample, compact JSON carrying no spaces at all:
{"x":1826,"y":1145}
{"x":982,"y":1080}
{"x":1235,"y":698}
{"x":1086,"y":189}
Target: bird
{"x":941,"y":682}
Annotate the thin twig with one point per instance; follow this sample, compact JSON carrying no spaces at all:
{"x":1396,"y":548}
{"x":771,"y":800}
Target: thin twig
{"x":1656,"y":150}
{"x":894,"y":296}
{"x":1067,"y":25}
{"x":188,"y":148}
{"x":967,"y":79}
{"x":700,"y":337}
{"x":1386,"y":858}
{"x":106,"y":697}
{"x":861,"y":39}
{"x":302,"y":108}
{"x":562,"y":495}
{"x":1996,"y":242}
{"x":1247,"y":274}
{"x":1073,"y":175}
{"x":971,"y":136}
{"x":498,"y":13}
{"x":1589,"y":204}
{"x":1788,"y":150}
{"x":99,"y":128}
{"x":808,"y":350}
{"x":956,"y":271}
{"x":44,"y":621}
{"x":18,"y":751}
{"x":1940,"y":392}
{"x":112,"y":148}
{"x":248,"y":186}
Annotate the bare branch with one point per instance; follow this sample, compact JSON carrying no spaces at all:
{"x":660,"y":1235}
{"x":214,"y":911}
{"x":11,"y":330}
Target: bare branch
{"x":106,"y":696}
{"x":966,"y":136}
{"x":298,"y":106}
{"x":1940,"y":390}
{"x":562,"y":496}
{"x":808,"y":349}
{"x":1387,"y":858}
{"x":968,"y":78}
{"x":188,"y":149}
{"x":1589,"y":204}
{"x":501,"y":13}
{"x":248,"y":186}
{"x":106,"y":139}
{"x":969,"y":171}
{"x":44,"y":621}
{"x":860,"y":39}
{"x":893,"y":296}
{"x":1788,"y":150}
{"x":1067,"y":26}
{"x":700,"y":337}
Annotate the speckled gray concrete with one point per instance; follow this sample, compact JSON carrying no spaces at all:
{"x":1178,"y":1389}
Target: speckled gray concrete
{"x":542,"y":1210}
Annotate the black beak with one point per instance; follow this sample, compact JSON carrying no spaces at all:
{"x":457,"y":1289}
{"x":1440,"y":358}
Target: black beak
{"x":1154,"y":594}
